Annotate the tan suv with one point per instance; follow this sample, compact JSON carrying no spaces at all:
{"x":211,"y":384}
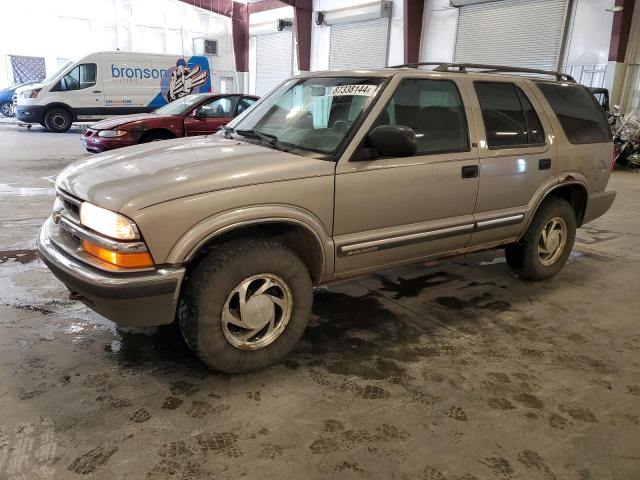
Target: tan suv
{"x":332,"y":175}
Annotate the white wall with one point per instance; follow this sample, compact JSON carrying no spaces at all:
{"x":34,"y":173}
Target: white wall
{"x":320,"y":35}
{"x":589,"y":34}
{"x":439,"y":24}
{"x":70,"y":29}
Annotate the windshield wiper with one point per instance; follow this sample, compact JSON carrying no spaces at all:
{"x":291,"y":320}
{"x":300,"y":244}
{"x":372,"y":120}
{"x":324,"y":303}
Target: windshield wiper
{"x":267,"y":138}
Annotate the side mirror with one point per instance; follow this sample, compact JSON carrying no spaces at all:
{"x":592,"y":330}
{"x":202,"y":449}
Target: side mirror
{"x":393,"y":141}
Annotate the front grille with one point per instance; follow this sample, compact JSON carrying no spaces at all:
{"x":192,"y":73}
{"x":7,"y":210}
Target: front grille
{"x":70,"y":212}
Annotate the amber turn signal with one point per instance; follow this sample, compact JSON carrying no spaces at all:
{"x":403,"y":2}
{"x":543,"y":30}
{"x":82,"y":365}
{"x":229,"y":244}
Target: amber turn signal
{"x":125,"y":260}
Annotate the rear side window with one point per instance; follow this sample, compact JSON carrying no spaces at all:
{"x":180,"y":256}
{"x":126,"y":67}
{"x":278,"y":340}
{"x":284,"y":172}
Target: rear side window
{"x":509,"y":118}
{"x":434,"y":110}
{"x":581,"y":117}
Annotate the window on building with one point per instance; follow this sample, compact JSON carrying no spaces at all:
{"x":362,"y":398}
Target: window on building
{"x":509,"y":117}
{"x":582,"y":119}
{"x":435,"y":112}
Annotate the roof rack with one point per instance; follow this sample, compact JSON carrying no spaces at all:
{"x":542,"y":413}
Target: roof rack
{"x":462,"y":68}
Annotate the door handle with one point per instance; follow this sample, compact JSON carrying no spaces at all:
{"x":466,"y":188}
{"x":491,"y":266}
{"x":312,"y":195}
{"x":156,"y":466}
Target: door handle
{"x":469,"y":171}
{"x":544,"y":164}
{"x":97,"y":91}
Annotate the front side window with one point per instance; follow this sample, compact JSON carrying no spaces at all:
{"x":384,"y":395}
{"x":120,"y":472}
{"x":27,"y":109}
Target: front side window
{"x":435,"y":112}
{"x":245,"y":103}
{"x":218,"y":108}
{"x":509,"y":118}
{"x":582,"y":119}
{"x":315,"y":114}
{"x":83,"y":76}
{"x":179,"y":106}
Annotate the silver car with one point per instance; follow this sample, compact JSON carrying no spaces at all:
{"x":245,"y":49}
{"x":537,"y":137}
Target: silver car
{"x":332,"y":175}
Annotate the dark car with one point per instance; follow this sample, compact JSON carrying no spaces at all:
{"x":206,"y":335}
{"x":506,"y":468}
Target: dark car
{"x":188,"y":116}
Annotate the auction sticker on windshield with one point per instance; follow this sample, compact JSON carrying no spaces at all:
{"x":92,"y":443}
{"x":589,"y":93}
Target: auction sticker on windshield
{"x":364,"y":90}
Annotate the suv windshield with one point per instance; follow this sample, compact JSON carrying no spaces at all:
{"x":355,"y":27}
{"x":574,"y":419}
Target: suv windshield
{"x":314,"y":114}
{"x":179,"y":106}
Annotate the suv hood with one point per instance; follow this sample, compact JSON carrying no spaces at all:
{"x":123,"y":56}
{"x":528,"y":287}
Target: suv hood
{"x":129,"y":179}
{"x":111,"y":123}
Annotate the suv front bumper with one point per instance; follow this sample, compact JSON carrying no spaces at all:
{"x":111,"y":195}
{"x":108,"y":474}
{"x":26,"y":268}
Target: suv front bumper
{"x":139,"y":299}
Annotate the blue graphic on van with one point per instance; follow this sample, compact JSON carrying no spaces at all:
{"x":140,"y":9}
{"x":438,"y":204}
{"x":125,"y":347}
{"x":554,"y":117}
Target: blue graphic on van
{"x":191,"y":76}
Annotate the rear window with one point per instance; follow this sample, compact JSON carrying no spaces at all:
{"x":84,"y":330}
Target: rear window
{"x":582,"y":119}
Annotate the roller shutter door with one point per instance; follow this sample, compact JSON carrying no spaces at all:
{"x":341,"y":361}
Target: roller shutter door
{"x":362,"y":44}
{"x":523,"y":33}
{"x":274,"y":60}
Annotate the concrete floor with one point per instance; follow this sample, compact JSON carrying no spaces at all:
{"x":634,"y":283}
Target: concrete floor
{"x":455,"y":370}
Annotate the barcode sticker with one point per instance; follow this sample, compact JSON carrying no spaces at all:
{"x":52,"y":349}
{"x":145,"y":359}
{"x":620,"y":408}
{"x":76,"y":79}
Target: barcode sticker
{"x":363,"y":90}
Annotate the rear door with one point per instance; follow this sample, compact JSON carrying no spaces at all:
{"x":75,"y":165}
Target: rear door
{"x":516,"y":156}
{"x":210,"y":116}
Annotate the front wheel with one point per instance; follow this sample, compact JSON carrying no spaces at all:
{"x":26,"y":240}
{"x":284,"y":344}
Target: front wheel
{"x":547,"y":243}
{"x":245,"y":305}
{"x":58,"y":120}
{"x":5,"y":109}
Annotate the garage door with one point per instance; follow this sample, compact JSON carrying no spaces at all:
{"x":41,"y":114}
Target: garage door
{"x":362,"y":44}
{"x":524,"y":33}
{"x":274,"y":59}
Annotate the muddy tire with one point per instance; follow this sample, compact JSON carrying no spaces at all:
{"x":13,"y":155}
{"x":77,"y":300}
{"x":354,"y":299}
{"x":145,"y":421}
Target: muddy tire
{"x":245,"y":305}
{"x":58,"y":120}
{"x":547,"y":243}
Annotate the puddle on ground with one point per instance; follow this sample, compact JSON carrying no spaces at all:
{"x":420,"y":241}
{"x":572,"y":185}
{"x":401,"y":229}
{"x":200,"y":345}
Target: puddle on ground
{"x":21,"y":256}
{"x":13,"y":191}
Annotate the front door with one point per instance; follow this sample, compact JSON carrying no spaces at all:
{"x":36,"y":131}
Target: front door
{"x":210,"y":116}
{"x":516,"y":157}
{"x":81,"y":89}
{"x":390,"y":210}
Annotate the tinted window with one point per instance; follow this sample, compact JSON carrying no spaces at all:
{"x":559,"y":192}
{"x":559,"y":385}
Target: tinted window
{"x":244,"y":104}
{"x":509,"y":117}
{"x":581,"y":117}
{"x":83,"y":76}
{"x":220,"y":107}
{"x":434,"y":110}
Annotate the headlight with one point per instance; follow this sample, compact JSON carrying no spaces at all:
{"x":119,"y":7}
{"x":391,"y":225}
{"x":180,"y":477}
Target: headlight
{"x":107,"y":222}
{"x":33,"y":93}
{"x":112,"y":133}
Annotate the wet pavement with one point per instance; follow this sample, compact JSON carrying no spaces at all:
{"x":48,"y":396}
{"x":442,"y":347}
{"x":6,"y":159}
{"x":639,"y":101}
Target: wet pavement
{"x":452,"y":370}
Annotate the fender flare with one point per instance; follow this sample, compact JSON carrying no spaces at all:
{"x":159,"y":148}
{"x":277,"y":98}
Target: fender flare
{"x":51,"y":105}
{"x":561,"y":180}
{"x":185,"y":249}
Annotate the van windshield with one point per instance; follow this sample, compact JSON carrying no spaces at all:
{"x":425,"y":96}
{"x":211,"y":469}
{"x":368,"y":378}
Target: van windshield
{"x":180,"y":106}
{"x":52,"y":76}
{"x":315,"y":114}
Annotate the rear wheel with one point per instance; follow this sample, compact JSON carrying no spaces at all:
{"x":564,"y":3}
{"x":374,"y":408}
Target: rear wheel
{"x":58,"y":120}
{"x":5,"y":109}
{"x":547,"y":243}
{"x":245,"y":305}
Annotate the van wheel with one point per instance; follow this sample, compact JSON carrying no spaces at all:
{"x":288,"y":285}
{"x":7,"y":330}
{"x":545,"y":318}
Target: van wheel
{"x":547,"y":243}
{"x":58,"y":120}
{"x":155,"y":137}
{"x":245,"y":305}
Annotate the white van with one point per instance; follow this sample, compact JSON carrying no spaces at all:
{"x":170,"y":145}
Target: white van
{"x":111,"y":83}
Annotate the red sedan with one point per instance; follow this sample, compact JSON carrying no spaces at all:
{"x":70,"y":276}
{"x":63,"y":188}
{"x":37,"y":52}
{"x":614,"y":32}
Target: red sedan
{"x":185,"y":117}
